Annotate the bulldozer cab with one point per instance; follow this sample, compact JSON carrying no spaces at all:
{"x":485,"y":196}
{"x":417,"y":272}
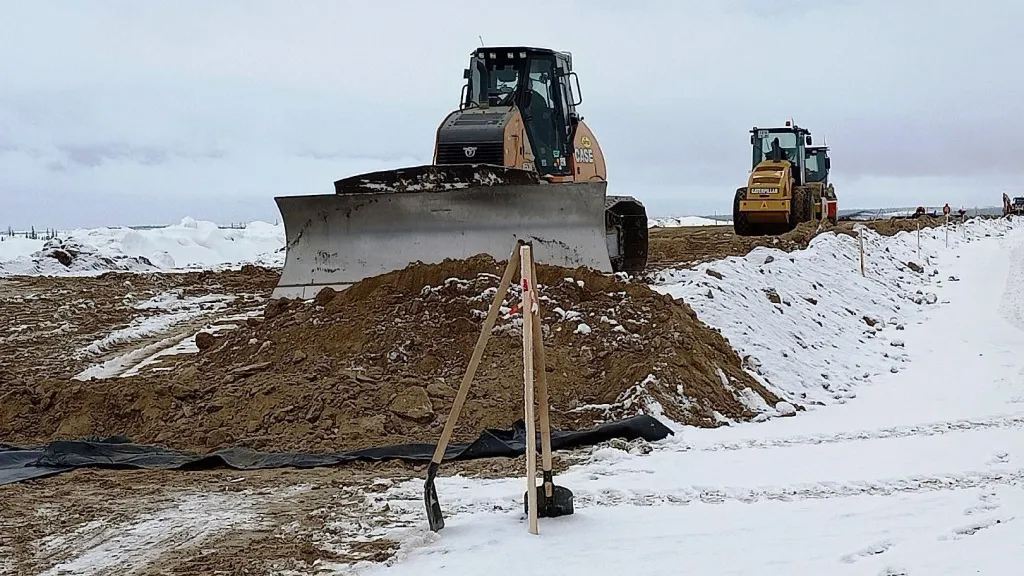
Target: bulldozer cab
{"x":537,"y":81}
{"x":785,"y":143}
{"x":817,"y":164}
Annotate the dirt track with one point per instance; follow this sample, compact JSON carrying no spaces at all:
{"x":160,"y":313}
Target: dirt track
{"x":374,"y":344}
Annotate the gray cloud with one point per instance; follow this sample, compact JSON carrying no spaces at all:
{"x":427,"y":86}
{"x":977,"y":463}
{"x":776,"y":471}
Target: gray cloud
{"x":151,"y":111}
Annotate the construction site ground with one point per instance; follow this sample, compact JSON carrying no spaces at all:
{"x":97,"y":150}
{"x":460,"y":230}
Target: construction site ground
{"x":689,"y":245}
{"x":118,"y":354}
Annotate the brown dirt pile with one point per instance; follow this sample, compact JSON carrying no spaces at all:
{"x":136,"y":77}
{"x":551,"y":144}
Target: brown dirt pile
{"x":697,"y":244}
{"x":380,"y":362}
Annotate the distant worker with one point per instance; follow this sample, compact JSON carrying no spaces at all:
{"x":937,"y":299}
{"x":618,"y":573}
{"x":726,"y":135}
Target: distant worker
{"x":945,"y":209}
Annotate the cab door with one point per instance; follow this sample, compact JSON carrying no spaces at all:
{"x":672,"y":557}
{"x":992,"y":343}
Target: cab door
{"x":545,"y":118}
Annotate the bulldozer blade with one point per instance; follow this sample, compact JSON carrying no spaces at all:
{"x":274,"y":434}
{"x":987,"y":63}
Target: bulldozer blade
{"x":383,"y":222}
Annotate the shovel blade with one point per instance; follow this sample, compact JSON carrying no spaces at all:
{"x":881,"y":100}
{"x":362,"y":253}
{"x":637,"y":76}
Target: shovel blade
{"x":434,"y":516}
{"x":559,"y":504}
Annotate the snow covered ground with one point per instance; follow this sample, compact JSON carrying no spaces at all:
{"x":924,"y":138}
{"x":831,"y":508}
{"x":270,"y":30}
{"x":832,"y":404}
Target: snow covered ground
{"x":685,"y":221}
{"x":171,"y":329}
{"x":906,"y":461}
{"x":189,"y":244}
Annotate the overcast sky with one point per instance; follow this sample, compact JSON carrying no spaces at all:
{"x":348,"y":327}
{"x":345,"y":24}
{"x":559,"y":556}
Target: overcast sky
{"x":130,"y":112}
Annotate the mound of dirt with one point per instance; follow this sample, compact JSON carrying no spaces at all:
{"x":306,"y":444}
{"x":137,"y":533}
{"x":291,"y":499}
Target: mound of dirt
{"x":380,"y":362}
{"x":697,"y":244}
{"x":893,"y":226}
{"x":692,"y":245}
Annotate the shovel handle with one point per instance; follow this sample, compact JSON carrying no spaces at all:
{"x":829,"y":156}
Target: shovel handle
{"x":543,"y":413}
{"x":478,"y":353}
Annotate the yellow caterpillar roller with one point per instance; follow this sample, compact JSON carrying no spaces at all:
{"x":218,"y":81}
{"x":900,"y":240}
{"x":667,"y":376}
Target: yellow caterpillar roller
{"x":514,"y":161}
{"x":788,"y":183}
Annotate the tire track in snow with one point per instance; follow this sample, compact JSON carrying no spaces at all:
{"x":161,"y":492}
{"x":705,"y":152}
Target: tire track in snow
{"x":975,"y":527}
{"x":934,"y":429}
{"x":103,"y":547}
{"x":875,"y":549}
{"x":719,"y":494}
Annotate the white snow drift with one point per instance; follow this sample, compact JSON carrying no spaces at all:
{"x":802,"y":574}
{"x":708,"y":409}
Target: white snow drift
{"x":685,"y":221}
{"x":188,"y":245}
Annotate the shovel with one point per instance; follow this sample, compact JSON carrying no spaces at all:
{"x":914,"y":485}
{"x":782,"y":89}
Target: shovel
{"x":552,"y":501}
{"x":434,"y":516}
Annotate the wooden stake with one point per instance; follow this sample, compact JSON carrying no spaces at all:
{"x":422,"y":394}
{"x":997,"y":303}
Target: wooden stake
{"x":526,"y":260}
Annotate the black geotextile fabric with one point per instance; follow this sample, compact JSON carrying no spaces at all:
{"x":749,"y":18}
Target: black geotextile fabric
{"x":23,"y":463}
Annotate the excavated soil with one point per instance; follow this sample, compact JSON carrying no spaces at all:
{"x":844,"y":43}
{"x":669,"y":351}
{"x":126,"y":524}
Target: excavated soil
{"x":46,"y":322}
{"x":379,"y":363}
{"x":696,"y":244}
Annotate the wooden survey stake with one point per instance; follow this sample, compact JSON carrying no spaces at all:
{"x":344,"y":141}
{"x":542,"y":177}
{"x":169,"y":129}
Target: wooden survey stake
{"x":529,"y":300}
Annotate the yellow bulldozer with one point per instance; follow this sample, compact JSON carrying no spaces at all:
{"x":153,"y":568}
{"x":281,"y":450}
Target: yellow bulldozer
{"x":514,"y":161}
{"x":788,"y":183}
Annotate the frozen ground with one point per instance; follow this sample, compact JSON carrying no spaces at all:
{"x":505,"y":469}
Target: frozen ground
{"x":912,"y":471}
{"x":189,"y":244}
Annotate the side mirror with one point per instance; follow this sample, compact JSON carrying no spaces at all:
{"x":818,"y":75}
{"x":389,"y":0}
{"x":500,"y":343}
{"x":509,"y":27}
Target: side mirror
{"x":828,"y":163}
{"x":752,"y":139}
{"x":577,"y":94}
{"x":808,"y":140}
{"x":465,"y":74}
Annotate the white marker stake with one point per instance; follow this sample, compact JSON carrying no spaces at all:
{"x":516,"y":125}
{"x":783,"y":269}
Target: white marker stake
{"x":919,"y":241}
{"x":860,"y":242}
{"x":526,"y":262}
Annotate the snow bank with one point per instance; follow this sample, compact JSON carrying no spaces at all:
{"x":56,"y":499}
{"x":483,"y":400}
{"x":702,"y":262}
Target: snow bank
{"x":685,"y":221}
{"x":807,"y":323}
{"x":190,"y":244}
{"x":12,"y":248}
